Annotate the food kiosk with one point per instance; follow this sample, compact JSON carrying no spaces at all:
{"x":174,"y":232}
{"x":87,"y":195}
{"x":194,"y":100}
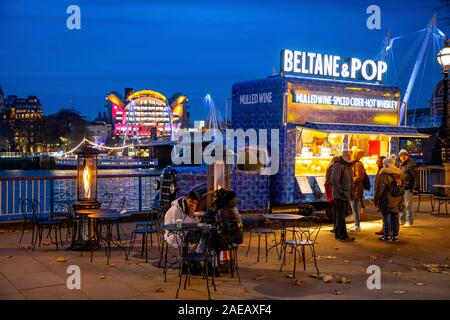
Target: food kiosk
{"x":317,"y":117}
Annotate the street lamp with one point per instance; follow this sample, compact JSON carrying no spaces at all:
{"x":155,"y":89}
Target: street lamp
{"x":443,"y":57}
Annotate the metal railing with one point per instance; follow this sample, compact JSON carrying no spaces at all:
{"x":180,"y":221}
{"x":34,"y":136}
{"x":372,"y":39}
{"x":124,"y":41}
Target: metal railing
{"x":137,"y":188}
{"x":429,"y":176}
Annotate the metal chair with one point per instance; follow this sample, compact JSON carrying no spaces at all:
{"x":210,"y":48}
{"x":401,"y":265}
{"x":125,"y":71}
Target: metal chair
{"x":63,"y":212}
{"x":42,"y":223}
{"x":260,"y":231}
{"x":305,"y":234}
{"x":197,"y":252}
{"x":121,"y":209}
{"x":26,"y":209}
{"x":442,"y":197}
{"x":106,"y":200}
{"x":146,"y":230}
{"x":228,"y":235}
{"x":423,"y":194}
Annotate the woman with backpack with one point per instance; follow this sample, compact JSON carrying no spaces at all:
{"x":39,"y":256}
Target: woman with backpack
{"x":389,"y":198}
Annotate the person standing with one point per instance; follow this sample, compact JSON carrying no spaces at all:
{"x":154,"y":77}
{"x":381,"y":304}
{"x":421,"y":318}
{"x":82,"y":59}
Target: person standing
{"x":342,"y":186}
{"x":329,"y":190}
{"x":389,"y":199}
{"x":411,"y":177}
{"x":358,"y":173}
{"x":377,"y":178}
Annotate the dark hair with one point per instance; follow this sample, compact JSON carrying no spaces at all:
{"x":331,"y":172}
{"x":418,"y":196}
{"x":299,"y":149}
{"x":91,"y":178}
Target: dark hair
{"x":222,"y":197}
{"x":193,"y":195}
{"x":381,"y":158}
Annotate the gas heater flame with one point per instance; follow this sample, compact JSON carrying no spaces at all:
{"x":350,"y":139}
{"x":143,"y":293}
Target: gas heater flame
{"x":87,"y":181}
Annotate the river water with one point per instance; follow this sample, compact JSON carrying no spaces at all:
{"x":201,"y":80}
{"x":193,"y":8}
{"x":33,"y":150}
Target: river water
{"x":48,"y":173}
{"x":63,"y":189}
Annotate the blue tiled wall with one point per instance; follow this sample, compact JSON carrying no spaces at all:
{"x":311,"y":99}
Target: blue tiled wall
{"x":188,"y":177}
{"x":252,"y":189}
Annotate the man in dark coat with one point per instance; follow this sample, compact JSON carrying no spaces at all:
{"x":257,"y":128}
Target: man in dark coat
{"x":343,"y":191}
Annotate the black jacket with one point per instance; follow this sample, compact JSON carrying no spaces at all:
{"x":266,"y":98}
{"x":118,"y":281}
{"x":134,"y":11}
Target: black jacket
{"x":410,"y":174}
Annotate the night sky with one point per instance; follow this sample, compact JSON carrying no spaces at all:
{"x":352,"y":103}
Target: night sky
{"x":194,"y":47}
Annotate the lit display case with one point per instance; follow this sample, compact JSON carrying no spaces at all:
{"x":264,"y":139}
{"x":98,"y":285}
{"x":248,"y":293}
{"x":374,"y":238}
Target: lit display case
{"x":315,"y":149}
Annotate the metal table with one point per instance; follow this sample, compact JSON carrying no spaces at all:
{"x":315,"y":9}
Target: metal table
{"x":284,"y":220}
{"x":106,"y":217}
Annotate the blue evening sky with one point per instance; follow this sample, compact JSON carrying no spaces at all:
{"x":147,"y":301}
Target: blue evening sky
{"x":194,"y":47}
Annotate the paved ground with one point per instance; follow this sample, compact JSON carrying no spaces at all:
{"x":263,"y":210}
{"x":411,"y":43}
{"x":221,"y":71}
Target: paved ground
{"x":414,"y":268}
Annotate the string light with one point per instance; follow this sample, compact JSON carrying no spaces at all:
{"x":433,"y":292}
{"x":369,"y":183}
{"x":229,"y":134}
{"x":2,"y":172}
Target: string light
{"x":97,"y":146}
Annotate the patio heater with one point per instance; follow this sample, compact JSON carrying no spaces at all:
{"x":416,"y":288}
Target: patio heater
{"x":84,"y":237}
{"x":87,"y":176}
{"x":218,"y":177}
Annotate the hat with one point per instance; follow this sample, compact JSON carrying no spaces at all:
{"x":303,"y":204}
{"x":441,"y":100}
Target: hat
{"x":387,"y":162}
{"x":394,"y":158}
{"x":402,"y":152}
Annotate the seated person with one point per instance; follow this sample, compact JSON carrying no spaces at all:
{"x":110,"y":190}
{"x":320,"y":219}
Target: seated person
{"x":182,"y":208}
{"x":228,"y":219}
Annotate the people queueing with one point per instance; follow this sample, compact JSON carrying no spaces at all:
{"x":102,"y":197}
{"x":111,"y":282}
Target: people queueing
{"x":377,"y":177}
{"x":358,"y":173}
{"x":328,"y":187}
{"x":389,"y":194}
{"x":342,"y":185}
{"x":182,"y":209}
{"x":411,"y":176}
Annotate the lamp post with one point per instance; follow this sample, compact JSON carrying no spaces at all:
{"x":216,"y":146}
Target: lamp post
{"x":443,"y":58}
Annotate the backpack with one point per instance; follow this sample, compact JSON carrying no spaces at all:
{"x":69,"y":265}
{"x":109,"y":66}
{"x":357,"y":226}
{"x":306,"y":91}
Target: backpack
{"x":366,"y":181}
{"x":396,"y":190}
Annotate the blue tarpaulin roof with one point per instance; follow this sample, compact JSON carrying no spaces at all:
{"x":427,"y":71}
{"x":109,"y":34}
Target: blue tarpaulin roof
{"x":396,"y":131}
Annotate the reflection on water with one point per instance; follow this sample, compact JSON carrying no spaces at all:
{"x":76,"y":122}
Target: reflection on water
{"x":47,"y":173}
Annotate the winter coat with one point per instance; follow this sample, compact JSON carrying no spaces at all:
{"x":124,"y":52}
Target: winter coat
{"x":377,"y":178}
{"x":358,"y":179}
{"x":383,"y":192}
{"x":342,"y":180}
{"x":178,"y":210}
{"x":410,"y":174}
{"x":328,"y":187}
{"x":229,"y":226}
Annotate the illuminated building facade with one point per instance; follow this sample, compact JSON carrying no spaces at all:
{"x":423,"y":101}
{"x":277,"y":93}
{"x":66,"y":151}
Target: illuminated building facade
{"x":146,"y":113}
{"x":27,"y":119}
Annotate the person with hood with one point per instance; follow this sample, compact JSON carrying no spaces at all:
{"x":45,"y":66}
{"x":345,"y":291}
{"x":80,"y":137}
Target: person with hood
{"x":389,"y":198}
{"x":182,"y":209}
{"x":342,"y":186}
{"x":228,"y":217}
{"x":377,"y":177}
{"x":411,"y":176}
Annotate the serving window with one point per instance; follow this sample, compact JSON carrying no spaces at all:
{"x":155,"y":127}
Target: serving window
{"x":315,"y":149}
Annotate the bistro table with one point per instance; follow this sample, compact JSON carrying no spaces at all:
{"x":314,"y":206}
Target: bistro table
{"x":105,"y":217}
{"x":83,"y":233}
{"x":284,"y":220}
{"x":180,"y":238}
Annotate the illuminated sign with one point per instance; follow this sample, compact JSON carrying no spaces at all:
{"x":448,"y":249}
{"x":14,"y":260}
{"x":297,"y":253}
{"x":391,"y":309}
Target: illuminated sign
{"x":343,"y":101}
{"x":316,"y":64}
{"x":254,"y":98}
